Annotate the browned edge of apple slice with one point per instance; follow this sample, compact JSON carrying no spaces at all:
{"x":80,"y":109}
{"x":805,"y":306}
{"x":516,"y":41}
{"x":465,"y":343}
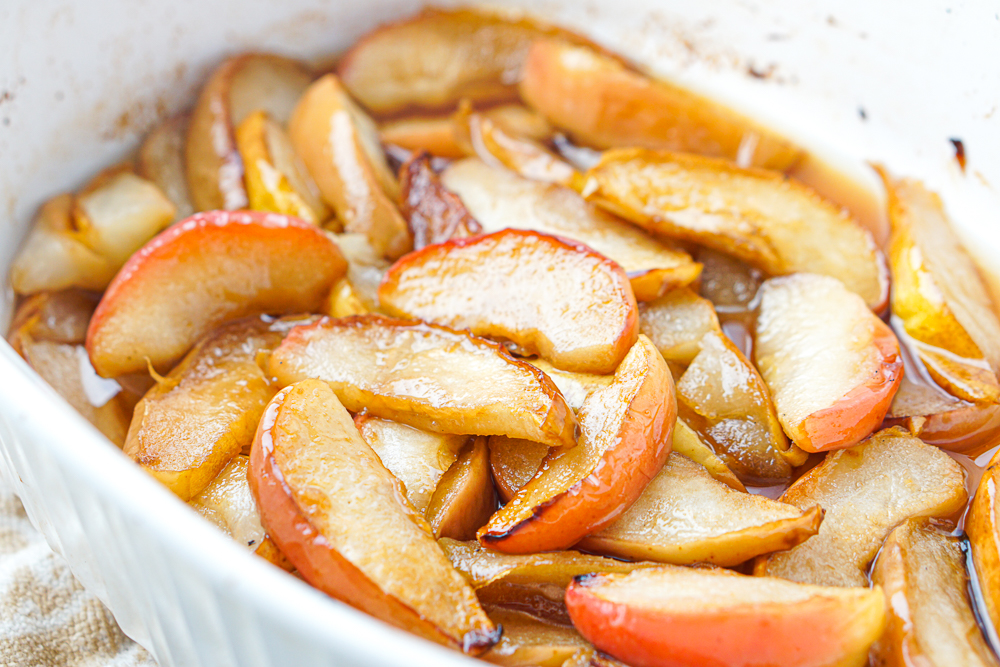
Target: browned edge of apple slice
{"x":433,"y":213}
{"x":464,"y":499}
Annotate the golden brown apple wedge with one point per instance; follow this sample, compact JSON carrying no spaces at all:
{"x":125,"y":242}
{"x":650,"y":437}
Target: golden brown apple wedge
{"x":686,"y":516}
{"x":228,"y":503}
{"x":344,"y":300}
{"x":480,"y":136}
{"x":365,"y":267}
{"x":210,"y":268}
{"x":340,"y":147}
{"x":831,"y":365}
{"x":983,"y":528}
{"x":682,"y":617}
{"x":205,"y":412}
{"x":677,"y":322}
{"x":939,"y":297}
{"x":727,"y":282}
{"x":528,"y":641}
{"x":438,"y":58}
{"x":625,"y":436}
{"x":921,"y":569}
{"x":418,"y":459}
{"x":687,"y":442}
{"x":238,"y":87}
{"x":53,"y":256}
{"x":499,"y":199}
{"x":341,"y":518}
{"x":602,"y":103}
{"x":433,"y":213}
{"x":940,"y":419}
{"x":274,"y":176}
{"x":758,"y":216}
{"x":161,"y":160}
{"x":865,"y":491}
{"x":547,"y":295}
{"x":464,"y":499}
{"x":420,"y":374}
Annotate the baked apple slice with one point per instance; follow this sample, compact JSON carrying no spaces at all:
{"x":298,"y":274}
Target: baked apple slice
{"x":419,"y":374}
{"x":728,"y":283}
{"x":677,"y":322}
{"x":940,"y":419}
{"x":528,"y":641}
{"x":434,"y":213}
{"x":238,"y":87}
{"x":758,"y":216}
{"x":687,"y":442}
{"x":549,"y":296}
{"x":228,"y":503}
{"x":57,"y":317}
{"x":500,"y":199}
{"x":831,"y":365}
{"x":196,"y":419}
{"x":341,"y":518}
{"x":983,"y":528}
{"x":274,"y":176}
{"x":939,"y":297}
{"x":365,"y":268}
{"x":418,"y":459}
{"x":480,"y":136}
{"x":682,"y":617}
{"x":464,"y":499}
{"x":210,"y":268}
{"x":339,"y":145}
{"x":686,"y":516}
{"x":161,"y":160}
{"x":625,"y":432}
{"x":865,"y":491}
{"x":602,"y":103}
{"x":922,"y":571}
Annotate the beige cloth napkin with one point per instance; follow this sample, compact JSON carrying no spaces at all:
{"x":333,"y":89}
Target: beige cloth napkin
{"x":47,"y":619}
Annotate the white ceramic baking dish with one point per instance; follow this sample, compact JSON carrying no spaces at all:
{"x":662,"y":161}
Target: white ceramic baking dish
{"x":81,"y":82}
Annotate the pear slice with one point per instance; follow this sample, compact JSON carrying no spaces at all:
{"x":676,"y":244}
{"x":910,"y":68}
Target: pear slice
{"x":161,"y":160}
{"x":939,"y":296}
{"x":922,"y":571}
{"x":341,"y":518}
{"x":500,"y":199}
{"x":464,"y":499}
{"x":419,"y":374}
{"x":432,"y":212}
{"x":240,"y":86}
{"x":831,"y":365}
{"x":625,"y":431}
{"x":758,"y":216}
{"x":602,"y":103}
{"x":549,"y":296}
{"x":865,"y":490}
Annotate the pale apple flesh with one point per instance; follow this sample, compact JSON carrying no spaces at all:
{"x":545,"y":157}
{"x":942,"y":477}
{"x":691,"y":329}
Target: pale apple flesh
{"x":625,"y":437}
{"x":433,"y":213}
{"x":201,"y":272}
{"x":341,"y":518}
{"x":419,"y":374}
{"x":681,"y":617}
{"x":549,"y":296}
{"x":464,"y":499}
{"x":528,"y":641}
{"x":983,"y":528}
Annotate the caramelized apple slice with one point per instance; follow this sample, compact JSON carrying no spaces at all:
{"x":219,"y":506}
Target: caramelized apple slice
{"x":420,"y":374}
{"x":831,"y":365}
{"x":677,"y":322}
{"x":228,"y":503}
{"x":760,"y":217}
{"x":685,"y":516}
{"x":53,"y":256}
{"x":196,"y":419}
{"x":365,"y":267}
{"x":213,"y":267}
{"x":341,"y":518}
{"x":340,"y":147}
{"x":601,"y":103}
{"x":865,"y":491}
{"x":57,"y":317}
{"x":441,"y":56}
{"x":161,"y":160}
{"x":528,"y":641}
{"x":625,"y":432}
{"x":480,"y":136}
{"x":723,"y":398}
{"x":548,"y":296}
{"x":727,"y":282}
{"x":983,"y":527}
{"x":238,"y":87}
{"x":344,"y":300}
{"x":922,"y":571}
{"x":575,"y":387}
{"x":499,"y":199}
{"x":275,"y":178}
{"x":943,"y":420}
{"x":687,"y":442}
{"x":434,"y":214}
{"x":681,"y":617}
{"x":417,"y":458}
{"x":939,"y":296}
{"x":464,"y":499}
{"x":433,"y":134}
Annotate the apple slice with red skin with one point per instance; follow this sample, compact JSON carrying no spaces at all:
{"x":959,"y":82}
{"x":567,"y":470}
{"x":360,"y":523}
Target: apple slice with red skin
{"x":203,"y":271}
{"x":832,"y":366}
{"x":343,"y":520}
{"x":625,"y":437}
{"x":555,"y":297}
{"x":682,"y":617}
